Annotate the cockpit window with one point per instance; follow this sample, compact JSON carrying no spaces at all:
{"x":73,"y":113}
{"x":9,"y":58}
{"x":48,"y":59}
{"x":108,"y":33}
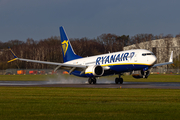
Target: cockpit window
{"x":144,"y":54}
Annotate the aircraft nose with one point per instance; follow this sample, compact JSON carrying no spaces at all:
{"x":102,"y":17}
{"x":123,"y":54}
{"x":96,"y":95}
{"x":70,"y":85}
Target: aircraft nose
{"x":153,"y":59}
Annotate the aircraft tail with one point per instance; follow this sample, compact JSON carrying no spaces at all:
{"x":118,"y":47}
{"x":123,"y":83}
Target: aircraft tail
{"x":67,"y":50}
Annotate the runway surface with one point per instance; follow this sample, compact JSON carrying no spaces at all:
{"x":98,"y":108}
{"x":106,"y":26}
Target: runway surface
{"x":156,"y":85}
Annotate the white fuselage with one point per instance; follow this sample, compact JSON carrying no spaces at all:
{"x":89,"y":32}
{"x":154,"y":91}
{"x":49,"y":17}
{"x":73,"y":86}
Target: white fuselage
{"x":135,"y":56}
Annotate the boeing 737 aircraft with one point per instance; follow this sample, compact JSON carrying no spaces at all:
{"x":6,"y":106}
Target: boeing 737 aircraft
{"x":105,"y":64}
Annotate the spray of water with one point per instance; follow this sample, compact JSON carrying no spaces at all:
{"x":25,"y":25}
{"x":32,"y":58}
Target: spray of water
{"x":60,"y":79}
{"x":71,"y":79}
{"x":66,"y":79}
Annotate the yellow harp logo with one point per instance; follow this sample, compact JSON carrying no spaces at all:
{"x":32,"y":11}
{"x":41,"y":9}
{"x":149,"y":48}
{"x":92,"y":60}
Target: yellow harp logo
{"x":65,"y":46}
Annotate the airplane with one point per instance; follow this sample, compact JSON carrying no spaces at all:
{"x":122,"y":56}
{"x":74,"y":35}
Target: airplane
{"x":115,"y":63}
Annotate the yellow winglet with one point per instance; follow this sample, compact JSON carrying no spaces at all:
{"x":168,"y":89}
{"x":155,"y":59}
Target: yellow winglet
{"x":12,"y":60}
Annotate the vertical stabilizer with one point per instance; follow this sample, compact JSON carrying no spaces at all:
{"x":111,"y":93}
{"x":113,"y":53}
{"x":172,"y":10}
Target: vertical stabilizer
{"x":67,"y":50}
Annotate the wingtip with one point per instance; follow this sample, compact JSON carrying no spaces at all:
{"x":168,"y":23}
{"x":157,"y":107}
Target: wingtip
{"x":12,"y":60}
{"x":171,"y":57}
{"x":12,"y":53}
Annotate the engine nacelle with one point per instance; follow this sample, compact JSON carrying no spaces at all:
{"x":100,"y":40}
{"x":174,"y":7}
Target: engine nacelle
{"x":142,"y":74}
{"x":95,"y":70}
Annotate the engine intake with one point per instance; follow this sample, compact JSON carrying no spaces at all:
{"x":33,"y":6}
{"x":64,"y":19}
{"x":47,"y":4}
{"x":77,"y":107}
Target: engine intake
{"x":95,"y":70}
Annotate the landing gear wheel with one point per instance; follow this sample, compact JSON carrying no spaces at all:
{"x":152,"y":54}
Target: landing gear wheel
{"x":89,"y":80}
{"x":92,"y":80}
{"x":116,"y":80}
{"x":121,"y":80}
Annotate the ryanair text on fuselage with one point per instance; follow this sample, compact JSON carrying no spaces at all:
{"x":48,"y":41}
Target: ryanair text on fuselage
{"x":114,"y":58}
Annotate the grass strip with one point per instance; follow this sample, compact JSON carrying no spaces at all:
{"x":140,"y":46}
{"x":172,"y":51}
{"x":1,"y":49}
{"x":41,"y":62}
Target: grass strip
{"x":88,"y":103}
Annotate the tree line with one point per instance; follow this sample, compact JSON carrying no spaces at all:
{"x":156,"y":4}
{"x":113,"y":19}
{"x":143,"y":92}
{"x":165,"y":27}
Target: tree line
{"x":50,"y":49}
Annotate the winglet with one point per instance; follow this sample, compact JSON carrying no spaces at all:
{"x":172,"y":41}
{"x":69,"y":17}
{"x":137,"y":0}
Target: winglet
{"x":166,"y":63}
{"x":12,"y":60}
{"x":15,"y":57}
{"x":12,"y":53}
{"x":171,"y":57}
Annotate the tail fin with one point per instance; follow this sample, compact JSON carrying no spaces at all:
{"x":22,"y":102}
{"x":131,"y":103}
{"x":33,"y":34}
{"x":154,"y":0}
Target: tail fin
{"x":68,"y":52}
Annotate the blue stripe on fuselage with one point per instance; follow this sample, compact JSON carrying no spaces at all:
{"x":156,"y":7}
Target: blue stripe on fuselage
{"x":114,"y":70}
{"x":127,"y":67}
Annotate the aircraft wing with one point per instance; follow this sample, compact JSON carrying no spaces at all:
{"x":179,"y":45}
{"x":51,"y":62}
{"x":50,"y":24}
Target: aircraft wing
{"x":166,"y":63}
{"x":70,"y":67}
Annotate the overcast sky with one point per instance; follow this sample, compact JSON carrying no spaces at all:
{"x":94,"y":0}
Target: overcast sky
{"x":40,"y":19}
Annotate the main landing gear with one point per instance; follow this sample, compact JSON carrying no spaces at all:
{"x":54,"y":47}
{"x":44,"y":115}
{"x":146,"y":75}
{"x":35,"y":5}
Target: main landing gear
{"x":92,"y":80}
{"x":119,"y":80}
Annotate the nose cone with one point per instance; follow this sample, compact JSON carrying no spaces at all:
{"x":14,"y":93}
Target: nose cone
{"x":153,"y":59}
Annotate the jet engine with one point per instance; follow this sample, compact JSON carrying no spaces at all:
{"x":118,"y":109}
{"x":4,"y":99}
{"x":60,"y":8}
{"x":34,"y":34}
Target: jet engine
{"x":95,"y":70}
{"x":141,"y":74}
